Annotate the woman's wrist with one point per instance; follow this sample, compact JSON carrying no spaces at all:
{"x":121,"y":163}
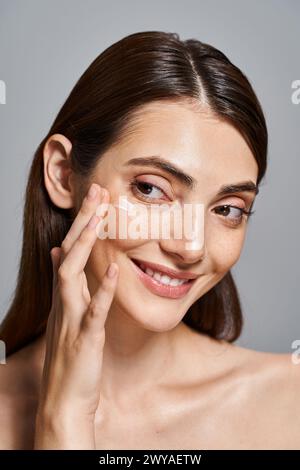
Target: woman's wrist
{"x":63,"y":431}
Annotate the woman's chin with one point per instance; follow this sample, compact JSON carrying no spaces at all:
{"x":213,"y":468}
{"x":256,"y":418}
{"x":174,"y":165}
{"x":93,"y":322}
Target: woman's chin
{"x":152,"y":318}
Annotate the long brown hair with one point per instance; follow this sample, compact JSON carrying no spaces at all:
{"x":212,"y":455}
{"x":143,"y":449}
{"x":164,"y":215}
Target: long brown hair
{"x":138,"y":69}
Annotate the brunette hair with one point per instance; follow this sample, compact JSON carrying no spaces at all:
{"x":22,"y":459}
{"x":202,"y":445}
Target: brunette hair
{"x":138,"y":69}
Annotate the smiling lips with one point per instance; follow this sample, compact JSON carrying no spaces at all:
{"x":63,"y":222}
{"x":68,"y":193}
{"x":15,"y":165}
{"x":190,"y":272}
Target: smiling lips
{"x":164,"y":281}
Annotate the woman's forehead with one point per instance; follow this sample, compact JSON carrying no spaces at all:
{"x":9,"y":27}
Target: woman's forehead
{"x":198,"y":142}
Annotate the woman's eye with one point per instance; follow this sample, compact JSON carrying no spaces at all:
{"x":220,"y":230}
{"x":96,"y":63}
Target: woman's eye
{"x":231,"y":213}
{"x":145,"y":190}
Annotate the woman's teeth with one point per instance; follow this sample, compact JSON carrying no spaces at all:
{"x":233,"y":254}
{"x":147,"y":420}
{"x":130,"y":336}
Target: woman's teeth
{"x":163,"y":278}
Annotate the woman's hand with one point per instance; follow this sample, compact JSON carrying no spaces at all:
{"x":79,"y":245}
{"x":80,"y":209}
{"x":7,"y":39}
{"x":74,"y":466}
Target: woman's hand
{"x":75,"y":336}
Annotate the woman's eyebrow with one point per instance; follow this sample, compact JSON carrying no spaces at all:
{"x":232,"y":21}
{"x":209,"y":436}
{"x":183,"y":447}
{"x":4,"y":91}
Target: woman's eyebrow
{"x":164,"y":165}
{"x":188,"y":180}
{"x":245,"y":186}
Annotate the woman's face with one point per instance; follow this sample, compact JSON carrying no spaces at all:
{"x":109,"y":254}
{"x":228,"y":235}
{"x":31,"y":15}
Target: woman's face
{"x":214,"y":154}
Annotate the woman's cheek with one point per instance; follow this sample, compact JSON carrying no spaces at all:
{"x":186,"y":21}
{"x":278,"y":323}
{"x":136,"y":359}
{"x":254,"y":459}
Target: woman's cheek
{"x":125,"y":224}
{"x":225,"y":247}
{"x":113,"y":242}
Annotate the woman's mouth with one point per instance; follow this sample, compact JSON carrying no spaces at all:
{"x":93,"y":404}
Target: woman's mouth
{"x":161,"y":284}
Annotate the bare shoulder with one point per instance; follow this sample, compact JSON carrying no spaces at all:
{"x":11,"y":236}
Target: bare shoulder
{"x":9,"y":374}
{"x":273,"y":372}
{"x":269,"y":391}
{"x":17,"y":401}
{"x":243,"y":399}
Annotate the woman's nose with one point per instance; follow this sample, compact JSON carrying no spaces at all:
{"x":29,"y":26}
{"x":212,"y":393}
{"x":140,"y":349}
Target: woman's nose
{"x":186,"y":239}
{"x":186,"y":251}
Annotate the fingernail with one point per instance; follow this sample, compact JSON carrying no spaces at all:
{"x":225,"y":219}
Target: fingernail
{"x":93,"y":221}
{"x":112,"y":271}
{"x":102,"y":193}
{"x":92,"y":191}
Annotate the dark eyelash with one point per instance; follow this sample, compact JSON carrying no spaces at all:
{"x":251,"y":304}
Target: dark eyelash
{"x":134,"y":186}
{"x":248,"y":213}
{"x":244,"y":211}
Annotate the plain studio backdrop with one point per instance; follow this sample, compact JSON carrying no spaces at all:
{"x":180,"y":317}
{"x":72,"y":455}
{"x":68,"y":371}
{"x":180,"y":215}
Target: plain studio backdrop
{"x":46,"y":45}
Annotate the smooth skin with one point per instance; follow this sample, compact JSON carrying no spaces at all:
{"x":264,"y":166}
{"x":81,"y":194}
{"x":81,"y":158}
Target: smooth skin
{"x":117,"y":367}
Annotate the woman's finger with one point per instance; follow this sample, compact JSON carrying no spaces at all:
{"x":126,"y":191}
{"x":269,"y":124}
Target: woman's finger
{"x":55,"y":257}
{"x":101,"y":301}
{"x":76,"y":259}
{"x":94,"y":197}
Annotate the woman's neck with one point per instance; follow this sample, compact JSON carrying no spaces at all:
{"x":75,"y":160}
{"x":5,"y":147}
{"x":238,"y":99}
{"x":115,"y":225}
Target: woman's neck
{"x":133,"y":358}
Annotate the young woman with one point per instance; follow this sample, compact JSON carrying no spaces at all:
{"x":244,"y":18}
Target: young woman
{"x":120,"y":357}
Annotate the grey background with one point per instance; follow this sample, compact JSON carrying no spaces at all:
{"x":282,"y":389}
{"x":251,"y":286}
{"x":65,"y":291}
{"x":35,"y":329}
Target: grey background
{"x":46,"y":45}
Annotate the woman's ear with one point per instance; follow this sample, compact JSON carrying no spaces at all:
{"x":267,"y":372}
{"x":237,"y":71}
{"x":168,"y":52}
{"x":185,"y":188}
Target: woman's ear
{"x":57,"y":171}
